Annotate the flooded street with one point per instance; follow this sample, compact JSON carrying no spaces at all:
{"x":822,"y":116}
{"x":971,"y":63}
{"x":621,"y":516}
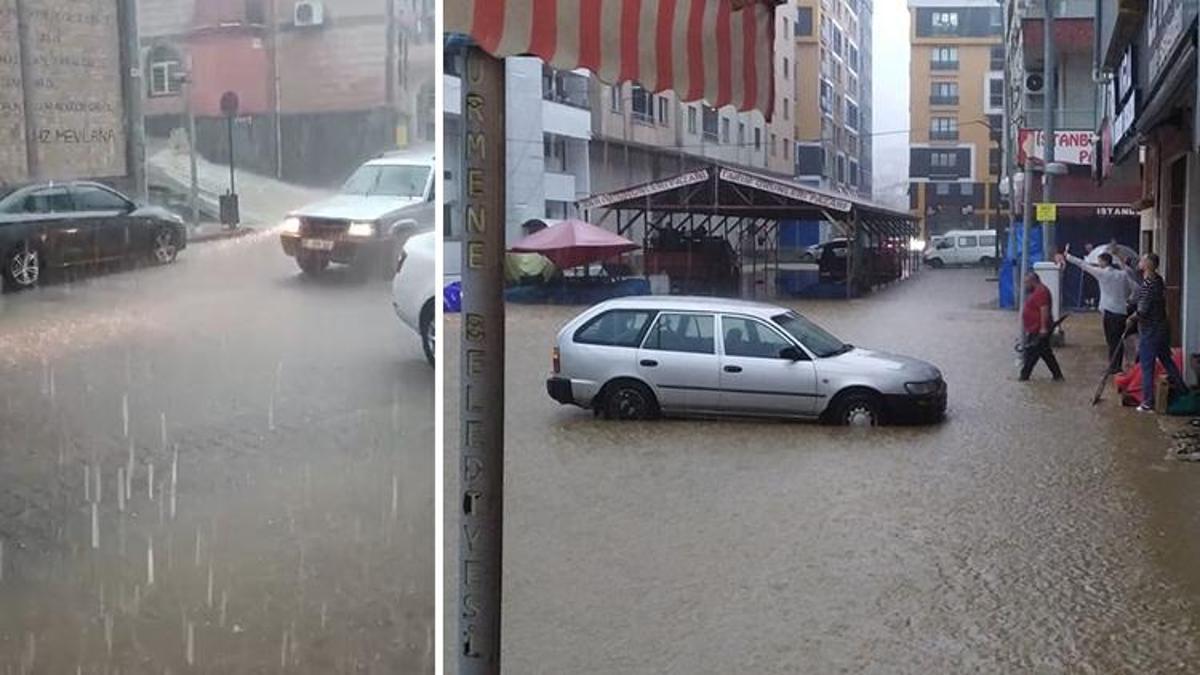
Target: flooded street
{"x":1030,"y":532}
{"x":215,"y":466}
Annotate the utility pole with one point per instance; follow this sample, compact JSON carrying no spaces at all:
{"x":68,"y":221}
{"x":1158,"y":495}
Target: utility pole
{"x":135,"y":89}
{"x":276,"y":122}
{"x":1050,"y":101}
{"x":25,"y":41}
{"x":390,"y":66}
{"x":481,"y":402}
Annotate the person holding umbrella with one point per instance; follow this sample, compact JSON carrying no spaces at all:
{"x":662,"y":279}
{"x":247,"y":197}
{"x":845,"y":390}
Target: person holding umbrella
{"x":1116,"y":286}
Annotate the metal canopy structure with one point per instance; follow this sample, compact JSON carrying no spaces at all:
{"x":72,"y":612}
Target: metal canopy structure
{"x":739,"y":203}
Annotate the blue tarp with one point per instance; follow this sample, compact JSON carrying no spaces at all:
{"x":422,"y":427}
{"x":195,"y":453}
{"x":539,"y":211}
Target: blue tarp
{"x":576,"y":294}
{"x":1010,"y":267}
{"x":798,"y":234}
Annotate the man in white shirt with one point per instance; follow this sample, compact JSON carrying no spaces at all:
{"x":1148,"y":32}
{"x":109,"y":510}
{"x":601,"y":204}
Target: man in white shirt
{"x":1116,"y":286}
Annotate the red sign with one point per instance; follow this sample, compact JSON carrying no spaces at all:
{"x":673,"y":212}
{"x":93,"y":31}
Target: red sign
{"x":1070,"y":147}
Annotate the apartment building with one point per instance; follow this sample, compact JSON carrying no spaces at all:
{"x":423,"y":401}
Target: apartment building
{"x":639,"y":136}
{"x":829,"y":86}
{"x":548,"y":126}
{"x":955,"y":113}
{"x":322,"y":84}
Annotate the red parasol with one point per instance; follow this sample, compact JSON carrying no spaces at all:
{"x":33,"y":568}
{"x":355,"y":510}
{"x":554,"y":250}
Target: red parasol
{"x":572,"y":243}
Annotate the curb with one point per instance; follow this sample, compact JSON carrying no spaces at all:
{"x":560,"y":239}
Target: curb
{"x":221,"y":235}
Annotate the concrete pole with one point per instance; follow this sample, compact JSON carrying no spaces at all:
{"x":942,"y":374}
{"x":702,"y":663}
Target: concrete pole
{"x":135,"y":89}
{"x":194,"y":192}
{"x":481,"y":462}
{"x":1049,"y":70}
{"x":1026,"y":215}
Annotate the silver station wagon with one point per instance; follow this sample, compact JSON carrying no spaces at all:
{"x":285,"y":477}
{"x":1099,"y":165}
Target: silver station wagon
{"x":638,"y":358}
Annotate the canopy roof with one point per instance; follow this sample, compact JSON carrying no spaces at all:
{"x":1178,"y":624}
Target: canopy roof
{"x":734,"y":192}
{"x":720,"y":51}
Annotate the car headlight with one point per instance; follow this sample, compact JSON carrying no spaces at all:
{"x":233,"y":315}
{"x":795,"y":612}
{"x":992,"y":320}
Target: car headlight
{"x":361,"y":230}
{"x":291,"y":225}
{"x":923,"y":388}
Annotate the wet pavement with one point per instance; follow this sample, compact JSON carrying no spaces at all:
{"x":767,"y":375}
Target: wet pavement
{"x":1030,"y":532}
{"x":215,"y":466}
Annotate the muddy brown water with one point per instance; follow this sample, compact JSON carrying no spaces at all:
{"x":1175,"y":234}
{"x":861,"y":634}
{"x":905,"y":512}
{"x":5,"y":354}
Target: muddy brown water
{"x":1030,"y":532}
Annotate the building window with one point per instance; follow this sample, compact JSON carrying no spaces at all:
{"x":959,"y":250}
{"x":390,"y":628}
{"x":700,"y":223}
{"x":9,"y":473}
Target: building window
{"x":854,"y":173}
{"x":966,"y":189}
{"x":994,"y":159}
{"x":841,"y":168}
{"x":663,"y":117}
{"x":804,"y":22}
{"x":787,"y":104}
{"x":944,"y":22}
{"x":943,"y":160}
{"x":941,"y":189}
{"x":758,"y":138}
{"x":555,"y":152}
{"x":826,"y":97}
{"x":852,"y":85}
{"x":165,"y":67}
{"x":787,"y":68}
{"x":691,"y":119}
{"x":943,"y":93}
{"x":711,"y":121}
{"x":642,"y":104}
{"x":615,"y":99}
{"x":851,"y":115}
{"x":774,"y":146}
{"x":996,"y":93}
{"x":725,"y":124}
{"x":996,"y":62}
{"x":943,"y":128}
{"x":741,"y":134}
{"x":852,"y":57}
{"x":944,"y":58}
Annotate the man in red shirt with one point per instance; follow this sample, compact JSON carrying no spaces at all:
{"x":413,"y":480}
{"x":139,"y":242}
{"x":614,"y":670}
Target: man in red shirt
{"x":1036,"y":319}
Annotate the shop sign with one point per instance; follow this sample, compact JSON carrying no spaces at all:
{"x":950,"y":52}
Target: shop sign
{"x":1070,"y":147}
{"x":1047,"y":213}
{"x":1115,"y":211}
{"x":1123,"y":121}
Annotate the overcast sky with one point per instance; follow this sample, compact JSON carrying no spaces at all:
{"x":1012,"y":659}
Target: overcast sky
{"x":890,"y":98}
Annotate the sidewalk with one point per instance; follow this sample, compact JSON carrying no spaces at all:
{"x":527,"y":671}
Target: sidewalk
{"x":264,"y":201}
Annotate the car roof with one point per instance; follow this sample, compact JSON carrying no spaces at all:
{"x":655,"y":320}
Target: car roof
{"x":693,"y":303}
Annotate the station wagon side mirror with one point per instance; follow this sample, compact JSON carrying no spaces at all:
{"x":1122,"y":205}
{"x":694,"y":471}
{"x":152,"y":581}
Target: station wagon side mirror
{"x":791,"y":353}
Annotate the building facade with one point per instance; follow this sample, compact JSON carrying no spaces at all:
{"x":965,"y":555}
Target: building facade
{"x":1146,"y":56}
{"x":955,"y":114}
{"x":830,"y":91}
{"x":322,"y":84}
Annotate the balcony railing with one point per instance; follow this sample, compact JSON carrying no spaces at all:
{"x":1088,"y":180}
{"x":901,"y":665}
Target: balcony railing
{"x":943,"y":135}
{"x":565,"y":87}
{"x":943,"y":65}
{"x":935,"y":99}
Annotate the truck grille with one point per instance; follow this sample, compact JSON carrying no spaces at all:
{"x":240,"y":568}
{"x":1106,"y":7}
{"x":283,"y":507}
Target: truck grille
{"x":325,"y":228}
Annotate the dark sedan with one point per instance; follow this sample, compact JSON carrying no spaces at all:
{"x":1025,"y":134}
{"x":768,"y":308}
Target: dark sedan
{"x":57,"y":225}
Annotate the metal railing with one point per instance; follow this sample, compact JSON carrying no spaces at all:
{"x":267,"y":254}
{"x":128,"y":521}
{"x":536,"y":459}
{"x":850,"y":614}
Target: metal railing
{"x":943,"y":65}
{"x":943,"y":135}
{"x":935,"y":99}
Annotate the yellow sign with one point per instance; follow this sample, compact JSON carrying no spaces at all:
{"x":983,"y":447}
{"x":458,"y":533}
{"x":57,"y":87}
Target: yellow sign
{"x":1047,"y":213}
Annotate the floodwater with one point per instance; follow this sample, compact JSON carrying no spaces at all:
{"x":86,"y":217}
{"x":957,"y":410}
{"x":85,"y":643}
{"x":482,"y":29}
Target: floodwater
{"x":214,"y":467}
{"x":1030,"y":532}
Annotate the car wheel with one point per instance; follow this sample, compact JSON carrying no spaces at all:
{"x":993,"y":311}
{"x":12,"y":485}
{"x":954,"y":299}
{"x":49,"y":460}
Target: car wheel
{"x":629,"y":400}
{"x":23,"y":267}
{"x":985,"y":260}
{"x":312,"y":264}
{"x":858,"y":409}
{"x":936,"y":263}
{"x":163,"y":247}
{"x":429,"y":334}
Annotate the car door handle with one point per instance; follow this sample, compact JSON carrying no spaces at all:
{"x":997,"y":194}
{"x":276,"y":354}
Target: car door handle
{"x":733,"y":369}
{"x":649,"y":363}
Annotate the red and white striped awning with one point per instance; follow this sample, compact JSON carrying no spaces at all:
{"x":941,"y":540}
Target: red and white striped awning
{"x":719,"y":51}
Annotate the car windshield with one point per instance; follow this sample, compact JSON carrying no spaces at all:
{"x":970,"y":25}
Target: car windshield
{"x":814,"y":338}
{"x":406,"y":180}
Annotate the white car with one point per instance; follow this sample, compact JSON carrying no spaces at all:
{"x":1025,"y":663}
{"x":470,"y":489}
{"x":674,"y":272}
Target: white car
{"x":962,"y":247}
{"x":413,"y":289}
{"x":383,"y":203}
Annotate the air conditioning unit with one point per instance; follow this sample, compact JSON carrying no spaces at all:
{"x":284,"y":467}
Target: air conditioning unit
{"x":1034,"y":82}
{"x":309,"y":13}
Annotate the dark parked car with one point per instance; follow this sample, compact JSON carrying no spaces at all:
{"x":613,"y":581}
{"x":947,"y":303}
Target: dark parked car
{"x":58,"y":225}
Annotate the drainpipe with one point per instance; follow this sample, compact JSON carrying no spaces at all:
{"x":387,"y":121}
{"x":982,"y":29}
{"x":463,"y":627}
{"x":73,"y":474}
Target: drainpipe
{"x":1050,"y":102}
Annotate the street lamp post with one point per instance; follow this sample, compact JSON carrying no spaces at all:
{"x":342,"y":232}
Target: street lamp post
{"x":186,"y":81}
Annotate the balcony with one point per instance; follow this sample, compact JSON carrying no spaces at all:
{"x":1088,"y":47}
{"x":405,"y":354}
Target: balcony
{"x":1063,"y":9}
{"x":565,"y":87}
{"x":943,"y":65}
{"x":943,"y":135}
{"x":934,"y":99}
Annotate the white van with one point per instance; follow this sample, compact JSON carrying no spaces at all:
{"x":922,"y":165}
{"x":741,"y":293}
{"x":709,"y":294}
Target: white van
{"x":962,"y":247}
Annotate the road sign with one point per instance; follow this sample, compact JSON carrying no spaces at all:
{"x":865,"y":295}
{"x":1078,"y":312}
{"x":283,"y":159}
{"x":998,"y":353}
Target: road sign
{"x":1047,"y":213}
{"x":229,"y":104}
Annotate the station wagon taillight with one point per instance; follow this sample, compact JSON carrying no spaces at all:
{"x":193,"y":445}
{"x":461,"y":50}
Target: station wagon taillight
{"x":555,"y":361}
